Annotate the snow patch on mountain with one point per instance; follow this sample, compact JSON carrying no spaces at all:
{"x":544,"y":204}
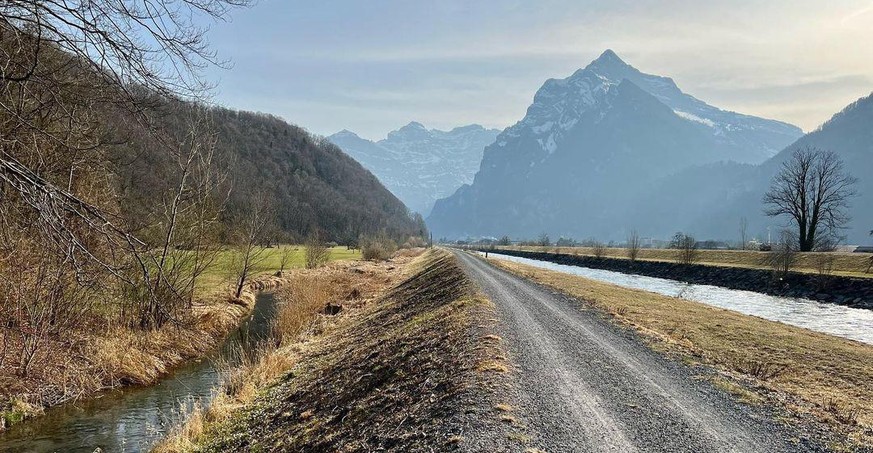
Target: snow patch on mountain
{"x":559,"y":104}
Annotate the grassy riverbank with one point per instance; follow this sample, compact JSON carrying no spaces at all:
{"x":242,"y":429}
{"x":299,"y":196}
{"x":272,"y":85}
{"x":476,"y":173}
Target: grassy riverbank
{"x":398,"y":372}
{"x":836,"y":263}
{"x":97,"y":356}
{"x":803,"y":372}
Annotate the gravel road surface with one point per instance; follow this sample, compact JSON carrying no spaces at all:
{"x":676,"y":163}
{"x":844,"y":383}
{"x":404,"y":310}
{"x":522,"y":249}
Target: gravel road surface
{"x":584,"y":384}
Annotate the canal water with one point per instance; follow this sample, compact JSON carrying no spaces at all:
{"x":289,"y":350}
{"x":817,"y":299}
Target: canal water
{"x":852,"y":323}
{"x":134,"y":418}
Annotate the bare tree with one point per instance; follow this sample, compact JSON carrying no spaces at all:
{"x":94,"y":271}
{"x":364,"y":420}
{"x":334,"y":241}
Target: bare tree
{"x":156,"y":44}
{"x":183,"y":239}
{"x":285,"y":252}
{"x":317,"y":253}
{"x":544,"y":240}
{"x":744,"y":226}
{"x":64,"y":67}
{"x":687,"y":247}
{"x":504,"y":241}
{"x":633,"y":245}
{"x":813,"y":189}
{"x":251,"y":230}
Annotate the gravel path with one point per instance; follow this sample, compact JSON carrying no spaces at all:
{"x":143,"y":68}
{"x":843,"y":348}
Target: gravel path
{"x":587,"y":385}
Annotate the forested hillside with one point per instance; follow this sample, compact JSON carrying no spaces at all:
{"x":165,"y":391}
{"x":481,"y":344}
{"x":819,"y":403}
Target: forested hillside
{"x":309,"y":183}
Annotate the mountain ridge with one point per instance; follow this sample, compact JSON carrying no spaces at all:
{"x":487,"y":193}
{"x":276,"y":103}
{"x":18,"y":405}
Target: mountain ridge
{"x":591,"y":142}
{"x":420,"y":165}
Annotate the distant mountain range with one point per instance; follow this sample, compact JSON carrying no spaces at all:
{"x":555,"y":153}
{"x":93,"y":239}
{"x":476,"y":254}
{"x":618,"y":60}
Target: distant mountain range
{"x":420,"y":165}
{"x":611,"y":148}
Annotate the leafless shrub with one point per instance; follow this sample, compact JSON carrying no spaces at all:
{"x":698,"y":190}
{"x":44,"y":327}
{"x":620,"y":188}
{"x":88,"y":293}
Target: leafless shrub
{"x":783,"y":257}
{"x":377,"y":248}
{"x":41,"y":301}
{"x":317,"y":253}
{"x":687,"y":248}
{"x":598,"y":249}
{"x":824,"y":263}
{"x":633,"y":245}
{"x":285,"y":254}
{"x":250,"y":231}
{"x":841,"y":413}
{"x":760,"y":370}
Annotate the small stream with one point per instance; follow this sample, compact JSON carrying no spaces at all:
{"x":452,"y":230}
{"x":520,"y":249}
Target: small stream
{"x":852,"y":323}
{"x":133,"y":419}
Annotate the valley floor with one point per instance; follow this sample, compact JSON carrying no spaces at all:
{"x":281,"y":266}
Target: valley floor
{"x":463,"y":355}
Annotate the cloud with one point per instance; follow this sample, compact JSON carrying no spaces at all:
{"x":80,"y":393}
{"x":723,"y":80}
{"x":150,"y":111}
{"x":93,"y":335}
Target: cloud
{"x":863,"y":16}
{"x":371,"y":66}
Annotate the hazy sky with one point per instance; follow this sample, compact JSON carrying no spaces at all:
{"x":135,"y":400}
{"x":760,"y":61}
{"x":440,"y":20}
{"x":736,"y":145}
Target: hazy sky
{"x":373,"y":66}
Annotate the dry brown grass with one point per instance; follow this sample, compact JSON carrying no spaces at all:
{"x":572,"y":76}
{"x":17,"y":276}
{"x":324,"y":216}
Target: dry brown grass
{"x":299,"y":316}
{"x":847,"y":264}
{"x":822,"y":374}
{"x":299,"y":302}
{"x":373,"y":367}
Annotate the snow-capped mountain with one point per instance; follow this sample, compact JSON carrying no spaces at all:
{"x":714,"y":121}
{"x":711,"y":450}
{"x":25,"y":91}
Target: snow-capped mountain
{"x":751,"y":139}
{"x":592,"y":142}
{"x":561,"y":103}
{"x":420,"y":165}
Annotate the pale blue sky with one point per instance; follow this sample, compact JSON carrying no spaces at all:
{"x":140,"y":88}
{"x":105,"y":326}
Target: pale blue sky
{"x":373,"y":66}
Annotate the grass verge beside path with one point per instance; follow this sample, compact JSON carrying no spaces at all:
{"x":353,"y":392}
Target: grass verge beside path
{"x":805,"y":372}
{"x":411,"y":371}
{"x":845,"y":264}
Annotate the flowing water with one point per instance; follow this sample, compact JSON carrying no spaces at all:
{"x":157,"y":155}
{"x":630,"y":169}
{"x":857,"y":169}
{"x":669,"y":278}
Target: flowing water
{"x":852,"y":323}
{"x":133,"y":419}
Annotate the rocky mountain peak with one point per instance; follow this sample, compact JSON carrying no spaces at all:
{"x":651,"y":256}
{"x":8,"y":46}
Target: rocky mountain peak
{"x":412,"y":131}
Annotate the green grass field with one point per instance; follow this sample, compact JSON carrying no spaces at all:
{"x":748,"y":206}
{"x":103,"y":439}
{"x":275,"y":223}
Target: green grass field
{"x":220,"y":273}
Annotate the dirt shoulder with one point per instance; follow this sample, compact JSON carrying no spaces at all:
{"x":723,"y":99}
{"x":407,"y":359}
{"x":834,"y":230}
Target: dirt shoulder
{"x":816,"y":379}
{"x":415,"y":370}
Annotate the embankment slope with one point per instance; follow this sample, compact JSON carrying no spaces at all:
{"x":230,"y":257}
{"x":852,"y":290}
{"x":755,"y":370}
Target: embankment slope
{"x":411,"y":373}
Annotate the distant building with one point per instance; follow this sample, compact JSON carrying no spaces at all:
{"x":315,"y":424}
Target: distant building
{"x":712,"y":245}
